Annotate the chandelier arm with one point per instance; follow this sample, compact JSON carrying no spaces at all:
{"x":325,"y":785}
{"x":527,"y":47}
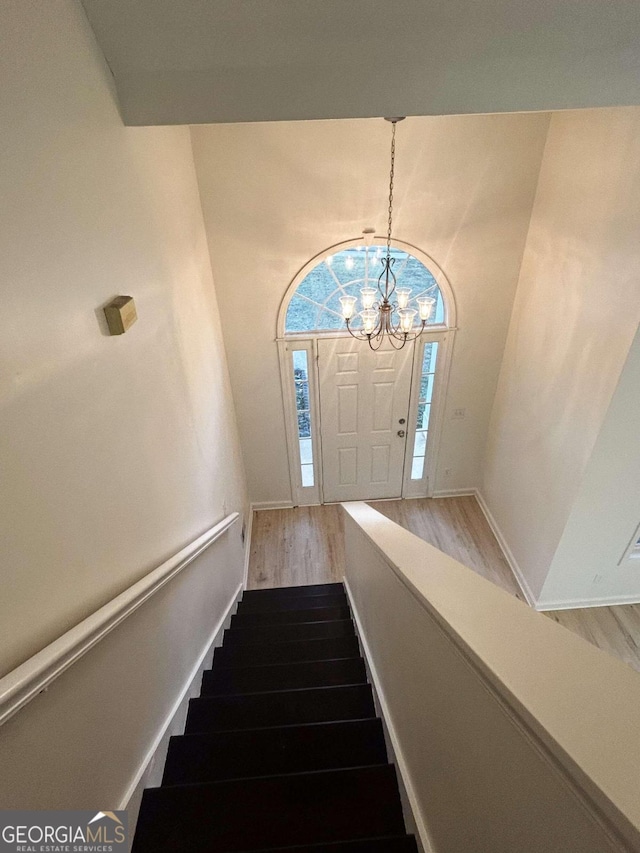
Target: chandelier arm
{"x":402,"y":342}
{"x":378,"y":345}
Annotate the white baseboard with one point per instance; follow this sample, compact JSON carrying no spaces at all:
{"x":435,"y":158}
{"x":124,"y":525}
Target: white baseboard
{"x":151,"y":769}
{"x":453,"y":493}
{"x":247,"y":547}
{"x":260,"y":505}
{"x":575,"y":603}
{"x":513,"y":564}
{"x":414,"y":820}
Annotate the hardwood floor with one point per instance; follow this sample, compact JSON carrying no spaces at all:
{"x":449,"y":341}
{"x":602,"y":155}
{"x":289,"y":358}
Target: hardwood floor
{"x":305,"y":545}
{"x":615,"y":630}
{"x":295,"y":547}
{"x":458,"y":527}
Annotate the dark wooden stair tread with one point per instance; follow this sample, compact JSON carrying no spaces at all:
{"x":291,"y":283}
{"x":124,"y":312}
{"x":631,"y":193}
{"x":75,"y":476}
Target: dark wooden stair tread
{"x":390,"y":844}
{"x":324,"y":806}
{"x":292,"y":602}
{"x":293,"y":591}
{"x":287,"y":749}
{"x":281,"y":617}
{"x":280,"y":708}
{"x":283,"y":676}
{"x":292,"y":651}
{"x":291,"y":631}
{"x":282,"y":751}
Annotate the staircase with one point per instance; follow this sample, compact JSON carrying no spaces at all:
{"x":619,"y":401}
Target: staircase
{"x":282,"y":750}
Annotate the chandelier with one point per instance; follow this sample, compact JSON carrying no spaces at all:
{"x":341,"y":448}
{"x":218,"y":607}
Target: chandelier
{"x":382,"y":316}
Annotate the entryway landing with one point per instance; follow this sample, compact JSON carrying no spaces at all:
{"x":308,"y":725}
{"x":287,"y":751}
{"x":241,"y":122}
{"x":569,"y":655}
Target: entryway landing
{"x":305,"y":545}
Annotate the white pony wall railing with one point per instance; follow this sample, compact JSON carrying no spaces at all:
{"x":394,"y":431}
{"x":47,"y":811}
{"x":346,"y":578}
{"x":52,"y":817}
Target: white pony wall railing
{"x":511,"y":734}
{"x":82,"y":719}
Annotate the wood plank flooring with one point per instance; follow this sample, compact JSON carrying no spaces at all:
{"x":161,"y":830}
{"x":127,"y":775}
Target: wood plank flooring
{"x":615,"y":630}
{"x":296,"y":547}
{"x":305,"y":545}
{"x":458,"y":527}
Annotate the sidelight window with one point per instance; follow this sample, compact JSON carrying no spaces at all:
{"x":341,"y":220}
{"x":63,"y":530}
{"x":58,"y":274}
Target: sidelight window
{"x":427,"y":379}
{"x":303,"y":414}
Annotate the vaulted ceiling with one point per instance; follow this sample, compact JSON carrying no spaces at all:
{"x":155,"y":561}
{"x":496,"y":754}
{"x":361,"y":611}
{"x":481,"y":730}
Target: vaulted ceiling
{"x":205,"y":61}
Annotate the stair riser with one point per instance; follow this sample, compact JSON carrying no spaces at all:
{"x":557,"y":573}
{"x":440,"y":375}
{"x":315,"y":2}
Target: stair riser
{"x":257,"y":679}
{"x":270,"y":812}
{"x":294,"y":652}
{"x":263,"y":752}
{"x":283,"y":617}
{"x":258,"y":605}
{"x":288,"y":633}
{"x":284,"y":708}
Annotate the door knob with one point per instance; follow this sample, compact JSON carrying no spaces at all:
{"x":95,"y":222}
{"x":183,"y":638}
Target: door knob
{"x":401,"y":433}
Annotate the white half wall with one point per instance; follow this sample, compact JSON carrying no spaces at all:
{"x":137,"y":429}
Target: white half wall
{"x":90,"y":740}
{"x":576,"y":311}
{"x":115,"y":452}
{"x":511,"y":733}
{"x":275,"y":195}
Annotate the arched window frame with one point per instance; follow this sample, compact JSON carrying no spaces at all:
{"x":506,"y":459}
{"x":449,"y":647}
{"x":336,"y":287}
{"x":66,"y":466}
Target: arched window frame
{"x":290,"y":342}
{"x":436,"y":271}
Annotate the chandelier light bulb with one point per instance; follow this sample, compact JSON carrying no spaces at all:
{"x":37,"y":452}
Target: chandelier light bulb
{"x":368,"y":295}
{"x":425,"y":306}
{"x":348,"y":306}
{"x":348,"y":263}
{"x":403,"y":294}
{"x":406,"y":319}
{"x":369,"y":319}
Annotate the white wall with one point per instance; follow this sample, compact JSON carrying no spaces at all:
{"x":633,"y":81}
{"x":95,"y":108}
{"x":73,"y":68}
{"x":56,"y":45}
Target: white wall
{"x":274,"y":195}
{"x":589,"y":565}
{"x":576,"y":311}
{"x":115,"y":452}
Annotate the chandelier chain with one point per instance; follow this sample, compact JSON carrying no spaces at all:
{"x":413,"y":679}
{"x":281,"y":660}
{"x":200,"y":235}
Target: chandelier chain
{"x":391,"y":177}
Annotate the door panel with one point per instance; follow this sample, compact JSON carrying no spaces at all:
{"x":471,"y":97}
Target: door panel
{"x":363,"y":396}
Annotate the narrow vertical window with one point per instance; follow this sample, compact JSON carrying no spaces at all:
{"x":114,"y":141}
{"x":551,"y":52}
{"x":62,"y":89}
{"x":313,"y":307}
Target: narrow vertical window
{"x":303,"y":413}
{"x":427,"y":378}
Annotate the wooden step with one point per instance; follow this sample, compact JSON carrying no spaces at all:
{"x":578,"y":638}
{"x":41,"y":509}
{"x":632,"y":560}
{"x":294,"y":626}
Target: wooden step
{"x":272,"y":811}
{"x":260,"y":634}
{"x":288,"y":591}
{"x":331,"y":648}
{"x":283,"y":617}
{"x":260,"y":752}
{"x":282,"y":676}
{"x":259,"y":605}
{"x":280,"y":708}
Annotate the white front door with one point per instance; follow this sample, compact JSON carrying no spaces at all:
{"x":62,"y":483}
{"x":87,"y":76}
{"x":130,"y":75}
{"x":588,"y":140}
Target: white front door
{"x":364,"y":404}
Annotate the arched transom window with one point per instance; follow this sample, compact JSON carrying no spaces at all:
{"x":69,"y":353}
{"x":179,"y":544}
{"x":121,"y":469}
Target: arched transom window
{"x":315,"y":304}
